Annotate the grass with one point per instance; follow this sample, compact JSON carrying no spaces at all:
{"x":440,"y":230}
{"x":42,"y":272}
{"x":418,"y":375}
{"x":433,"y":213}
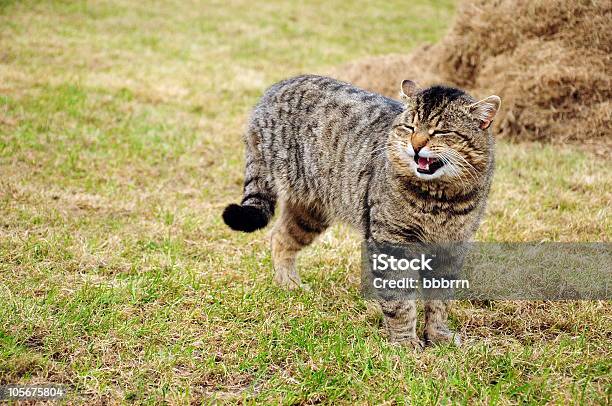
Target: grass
{"x":120,"y":143}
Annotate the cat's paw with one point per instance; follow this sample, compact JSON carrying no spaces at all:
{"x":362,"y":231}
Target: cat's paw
{"x":413,"y":343}
{"x":289,"y":282}
{"x":305,"y":287}
{"x":442,"y":336}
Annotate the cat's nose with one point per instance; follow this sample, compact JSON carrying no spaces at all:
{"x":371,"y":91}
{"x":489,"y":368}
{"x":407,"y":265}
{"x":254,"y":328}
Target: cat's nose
{"x":419,"y":141}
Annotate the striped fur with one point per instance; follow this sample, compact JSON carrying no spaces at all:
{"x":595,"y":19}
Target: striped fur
{"x":330,"y":152}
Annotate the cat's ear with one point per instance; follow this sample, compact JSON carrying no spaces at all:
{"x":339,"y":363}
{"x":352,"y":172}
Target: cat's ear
{"x":408,"y":89}
{"x":485,"y":110}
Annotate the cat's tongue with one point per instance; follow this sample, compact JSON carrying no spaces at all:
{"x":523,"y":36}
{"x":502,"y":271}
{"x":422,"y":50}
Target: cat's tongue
{"x":424,"y":162}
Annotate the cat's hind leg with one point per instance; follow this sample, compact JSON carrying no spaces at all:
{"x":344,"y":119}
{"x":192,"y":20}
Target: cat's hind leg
{"x":295,"y":228}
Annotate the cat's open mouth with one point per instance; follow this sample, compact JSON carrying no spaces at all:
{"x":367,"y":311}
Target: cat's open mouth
{"x":428,"y":166}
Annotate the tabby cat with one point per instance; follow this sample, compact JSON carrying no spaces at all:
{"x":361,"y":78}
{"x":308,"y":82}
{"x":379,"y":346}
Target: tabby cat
{"x":326,"y":151}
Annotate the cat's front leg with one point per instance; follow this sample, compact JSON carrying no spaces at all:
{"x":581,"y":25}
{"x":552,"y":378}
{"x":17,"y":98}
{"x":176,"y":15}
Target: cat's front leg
{"x":436,"y":327}
{"x":400,"y":317}
{"x":447,"y":263}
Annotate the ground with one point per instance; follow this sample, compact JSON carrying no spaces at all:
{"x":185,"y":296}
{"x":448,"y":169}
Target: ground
{"x":120,"y":144}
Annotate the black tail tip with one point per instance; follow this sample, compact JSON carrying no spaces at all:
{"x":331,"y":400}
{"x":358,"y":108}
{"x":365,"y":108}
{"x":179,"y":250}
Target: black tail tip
{"x":244,"y":218}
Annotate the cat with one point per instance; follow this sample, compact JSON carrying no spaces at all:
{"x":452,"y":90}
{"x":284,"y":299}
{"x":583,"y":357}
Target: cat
{"x":415,"y":170}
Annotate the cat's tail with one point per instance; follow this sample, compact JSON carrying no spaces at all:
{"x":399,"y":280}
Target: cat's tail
{"x":255,"y":211}
{"x":259,"y":198}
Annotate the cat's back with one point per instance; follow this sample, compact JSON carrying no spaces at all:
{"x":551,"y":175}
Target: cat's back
{"x":313,"y":98}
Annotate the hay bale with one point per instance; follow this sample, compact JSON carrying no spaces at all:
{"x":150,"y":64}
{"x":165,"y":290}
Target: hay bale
{"x":548,"y":92}
{"x":549,"y":60}
{"x":485,"y":29}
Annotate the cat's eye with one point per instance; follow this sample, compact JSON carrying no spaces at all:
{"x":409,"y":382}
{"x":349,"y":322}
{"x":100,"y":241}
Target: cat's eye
{"x":406,"y":127}
{"x":442,"y":132}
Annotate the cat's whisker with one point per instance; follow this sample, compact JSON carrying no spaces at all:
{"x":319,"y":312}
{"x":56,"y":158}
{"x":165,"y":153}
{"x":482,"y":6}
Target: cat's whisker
{"x":375,"y":153}
{"x":446,"y":163}
{"x":458,"y":155}
{"x":456,"y":173}
{"x":381,"y":148}
{"x":378,"y":152}
{"x":469,"y":169}
{"x":453,"y":166}
{"x":460,"y":161}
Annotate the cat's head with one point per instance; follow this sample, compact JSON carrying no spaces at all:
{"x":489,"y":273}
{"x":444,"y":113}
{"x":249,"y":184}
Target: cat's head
{"x":443,"y":136}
